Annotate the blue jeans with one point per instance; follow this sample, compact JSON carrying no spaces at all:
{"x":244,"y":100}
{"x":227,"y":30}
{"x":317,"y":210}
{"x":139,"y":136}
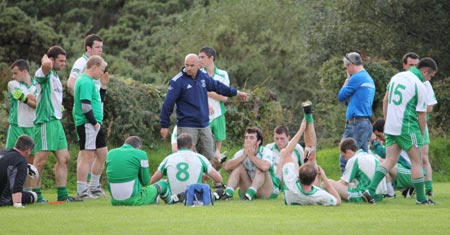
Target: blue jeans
{"x":360,"y":131}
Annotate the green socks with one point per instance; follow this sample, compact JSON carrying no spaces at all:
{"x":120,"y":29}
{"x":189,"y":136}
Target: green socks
{"x":251,"y":193}
{"x":419,"y":187}
{"x":380,"y":173}
{"x":229,"y":191}
{"x":164,"y":193}
{"x":307,"y":110}
{"x":62,"y":193}
{"x":428,"y":186}
{"x":39,"y":194}
{"x":309,"y":118}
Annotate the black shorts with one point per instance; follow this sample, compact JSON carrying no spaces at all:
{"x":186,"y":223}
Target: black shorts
{"x":91,"y":139}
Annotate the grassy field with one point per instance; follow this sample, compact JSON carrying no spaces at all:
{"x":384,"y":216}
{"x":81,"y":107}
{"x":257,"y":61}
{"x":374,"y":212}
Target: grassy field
{"x":393,"y":216}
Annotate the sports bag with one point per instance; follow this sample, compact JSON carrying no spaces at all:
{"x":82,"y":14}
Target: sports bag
{"x":198,"y":195}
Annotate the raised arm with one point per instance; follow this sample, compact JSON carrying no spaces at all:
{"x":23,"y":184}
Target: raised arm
{"x":46,"y":64}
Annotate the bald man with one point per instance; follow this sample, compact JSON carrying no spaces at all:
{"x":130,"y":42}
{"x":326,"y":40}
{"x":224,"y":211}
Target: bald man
{"x":188,"y":90}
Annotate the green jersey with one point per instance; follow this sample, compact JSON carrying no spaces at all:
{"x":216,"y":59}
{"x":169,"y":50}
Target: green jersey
{"x":50,"y":97}
{"x":20,"y":114}
{"x":359,"y":172}
{"x":85,"y":89}
{"x":127,"y":170}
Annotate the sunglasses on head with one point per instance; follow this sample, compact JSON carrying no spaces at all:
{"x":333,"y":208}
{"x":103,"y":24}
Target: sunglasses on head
{"x":347,"y":58}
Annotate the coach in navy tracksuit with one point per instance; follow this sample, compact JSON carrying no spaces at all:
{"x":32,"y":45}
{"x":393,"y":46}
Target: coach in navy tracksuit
{"x":188,"y":90}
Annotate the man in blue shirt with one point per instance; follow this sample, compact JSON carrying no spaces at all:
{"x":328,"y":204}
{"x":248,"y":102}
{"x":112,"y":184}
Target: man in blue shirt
{"x":357,"y":93}
{"x":189,"y":91}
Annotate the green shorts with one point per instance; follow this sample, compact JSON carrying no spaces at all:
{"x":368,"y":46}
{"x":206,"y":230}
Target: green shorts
{"x":403,"y":178}
{"x":146,"y":197}
{"x":355,"y":195}
{"x":13,"y":134}
{"x":218,"y":128}
{"x":49,"y":136}
{"x":405,"y":141}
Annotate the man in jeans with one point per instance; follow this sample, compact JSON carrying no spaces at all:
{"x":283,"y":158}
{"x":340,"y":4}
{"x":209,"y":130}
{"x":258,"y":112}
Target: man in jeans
{"x":357,"y":93}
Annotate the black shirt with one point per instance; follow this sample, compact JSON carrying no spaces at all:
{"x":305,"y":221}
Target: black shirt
{"x":13,"y":172}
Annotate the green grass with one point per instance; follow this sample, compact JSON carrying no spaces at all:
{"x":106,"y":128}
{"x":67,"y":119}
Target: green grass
{"x":394,"y":216}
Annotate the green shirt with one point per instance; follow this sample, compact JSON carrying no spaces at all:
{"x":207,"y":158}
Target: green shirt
{"x":20,"y":114}
{"x":127,"y":170}
{"x":85,"y":89}
{"x":50,"y":96}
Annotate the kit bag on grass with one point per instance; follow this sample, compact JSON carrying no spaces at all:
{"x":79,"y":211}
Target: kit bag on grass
{"x":198,"y":195}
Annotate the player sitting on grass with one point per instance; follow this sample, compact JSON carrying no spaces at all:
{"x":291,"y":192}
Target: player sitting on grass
{"x":299,"y":182}
{"x":251,"y":169}
{"x":129,"y":177}
{"x":358,"y":173}
{"x":185,"y":167}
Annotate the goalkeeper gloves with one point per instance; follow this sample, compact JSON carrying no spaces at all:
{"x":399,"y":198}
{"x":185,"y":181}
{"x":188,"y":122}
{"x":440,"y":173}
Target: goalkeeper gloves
{"x":32,"y":172}
{"x":18,"y":95}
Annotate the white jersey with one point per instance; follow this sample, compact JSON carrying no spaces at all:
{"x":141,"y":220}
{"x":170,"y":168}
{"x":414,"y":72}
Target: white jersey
{"x":218,"y":106}
{"x":298,"y":152}
{"x":295,"y":195}
{"x":79,"y":67}
{"x":20,"y":114}
{"x":359,"y":172}
{"x":430,"y":96}
{"x":406,"y":98}
{"x":183,"y":168}
{"x":263,"y":153}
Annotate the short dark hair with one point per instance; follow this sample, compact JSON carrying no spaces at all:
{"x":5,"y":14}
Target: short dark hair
{"x":427,"y":62}
{"x":209,"y":51}
{"x":89,"y":40}
{"x":378,"y":125}
{"x":55,"y":51}
{"x":281,"y":129}
{"x":411,"y":55}
{"x":184,"y":140}
{"x":134,"y":141}
{"x":259,"y":135}
{"x":21,"y":64}
{"x":24,"y":143}
{"x":348,"y":143}
{"x":307,"y":173}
